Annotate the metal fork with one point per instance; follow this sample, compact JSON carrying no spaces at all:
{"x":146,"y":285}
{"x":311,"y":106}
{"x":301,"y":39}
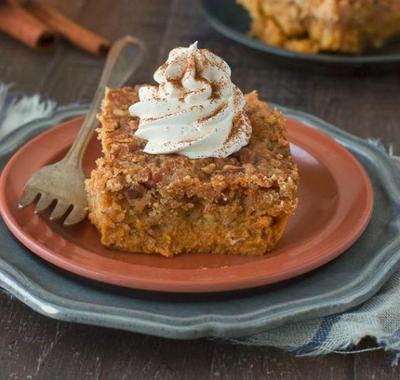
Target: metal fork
{"x":62,"y":183}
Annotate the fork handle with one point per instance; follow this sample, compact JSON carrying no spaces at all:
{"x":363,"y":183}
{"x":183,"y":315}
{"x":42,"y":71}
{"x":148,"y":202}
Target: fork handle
{"x":122,"y":60}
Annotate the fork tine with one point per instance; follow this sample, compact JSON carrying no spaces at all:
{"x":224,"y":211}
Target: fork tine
{"x":59,"y":210}
{"x":75,"y":216}
{"x":28,"y":196}
{"x":44,"y":201}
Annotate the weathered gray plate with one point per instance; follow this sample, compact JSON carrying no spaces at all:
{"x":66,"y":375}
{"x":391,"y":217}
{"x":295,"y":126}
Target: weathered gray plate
{"x":340,"y":285}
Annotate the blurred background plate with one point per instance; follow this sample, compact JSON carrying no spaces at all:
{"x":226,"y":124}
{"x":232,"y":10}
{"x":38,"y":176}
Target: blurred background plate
{"x":233,"y":21}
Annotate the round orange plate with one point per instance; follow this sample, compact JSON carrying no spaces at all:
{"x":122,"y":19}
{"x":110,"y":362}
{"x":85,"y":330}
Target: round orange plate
{"x":335,"y":204}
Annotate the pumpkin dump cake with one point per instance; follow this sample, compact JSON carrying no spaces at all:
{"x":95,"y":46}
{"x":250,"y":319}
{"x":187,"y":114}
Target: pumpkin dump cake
{"x":191,"y":165}
{"x":310,"y":26}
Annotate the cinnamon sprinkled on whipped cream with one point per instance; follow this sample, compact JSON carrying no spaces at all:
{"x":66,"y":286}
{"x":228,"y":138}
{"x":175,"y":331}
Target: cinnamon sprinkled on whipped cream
{"x":195,"y":111}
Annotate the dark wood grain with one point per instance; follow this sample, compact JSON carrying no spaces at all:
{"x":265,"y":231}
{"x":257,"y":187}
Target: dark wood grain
{"x":35,"y":347}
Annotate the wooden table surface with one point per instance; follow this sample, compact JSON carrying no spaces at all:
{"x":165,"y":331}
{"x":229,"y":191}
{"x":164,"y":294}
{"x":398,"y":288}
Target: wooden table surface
{"x":35,"y":347}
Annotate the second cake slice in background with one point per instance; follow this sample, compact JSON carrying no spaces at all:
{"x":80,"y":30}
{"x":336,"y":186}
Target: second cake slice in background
{"x":310,"y":26}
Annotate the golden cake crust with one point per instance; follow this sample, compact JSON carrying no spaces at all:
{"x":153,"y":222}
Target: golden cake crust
{"x":310,"y":26}
{"x":169,"y":204}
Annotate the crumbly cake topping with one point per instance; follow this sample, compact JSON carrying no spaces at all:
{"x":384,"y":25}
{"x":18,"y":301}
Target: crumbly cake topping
{"x":265,"y":163}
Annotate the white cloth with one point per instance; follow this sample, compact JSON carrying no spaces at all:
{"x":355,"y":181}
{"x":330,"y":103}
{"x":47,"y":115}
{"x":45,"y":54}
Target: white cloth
{"x":379,"y":317}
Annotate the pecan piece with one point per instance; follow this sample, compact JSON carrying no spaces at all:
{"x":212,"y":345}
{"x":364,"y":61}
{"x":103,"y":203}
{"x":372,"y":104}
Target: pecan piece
{"x":144,"y":177}
{"x":134,"y":191}
{"x":134,"y":147}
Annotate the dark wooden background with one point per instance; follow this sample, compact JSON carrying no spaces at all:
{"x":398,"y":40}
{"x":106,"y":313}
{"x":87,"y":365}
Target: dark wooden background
{"x":34,"y":347}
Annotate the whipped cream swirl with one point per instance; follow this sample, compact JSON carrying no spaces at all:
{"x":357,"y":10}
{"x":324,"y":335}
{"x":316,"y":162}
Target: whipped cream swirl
{"x":195,"y":111}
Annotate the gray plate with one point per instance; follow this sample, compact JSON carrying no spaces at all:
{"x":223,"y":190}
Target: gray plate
{"x":339,"y":285}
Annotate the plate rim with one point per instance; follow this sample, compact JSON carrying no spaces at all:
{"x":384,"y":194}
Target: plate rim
{"x":223,"y":278}
{"x":238,"y":37}
{"x":49,"y":303}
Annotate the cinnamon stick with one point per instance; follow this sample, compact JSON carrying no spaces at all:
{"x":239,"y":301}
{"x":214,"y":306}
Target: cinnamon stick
{"x":20,"y":24}
{"x":73,"y":32}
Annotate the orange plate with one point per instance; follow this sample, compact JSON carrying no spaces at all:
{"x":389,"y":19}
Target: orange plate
{"x":335,"y":204}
